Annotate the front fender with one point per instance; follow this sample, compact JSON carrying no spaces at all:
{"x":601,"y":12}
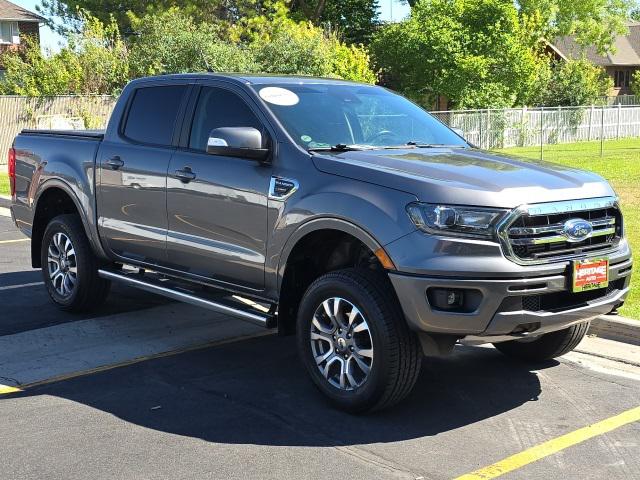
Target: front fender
{"x":323,"y":223}
{"x":375,"y":215}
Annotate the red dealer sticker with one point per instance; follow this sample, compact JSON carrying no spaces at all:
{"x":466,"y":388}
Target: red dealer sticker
{"x":590,"y":274}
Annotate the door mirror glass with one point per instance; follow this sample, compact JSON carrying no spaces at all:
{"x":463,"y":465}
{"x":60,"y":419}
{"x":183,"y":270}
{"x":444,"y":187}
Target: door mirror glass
{"x":242,"y":142}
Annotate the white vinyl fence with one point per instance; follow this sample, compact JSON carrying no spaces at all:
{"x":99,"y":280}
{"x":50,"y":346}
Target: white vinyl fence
{"x":521,"y":127}
{"x":63,"y":112}
{"x":622,"y":99}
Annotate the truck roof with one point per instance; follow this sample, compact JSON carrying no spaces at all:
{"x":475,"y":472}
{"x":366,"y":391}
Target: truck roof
{"x":252,"y":79}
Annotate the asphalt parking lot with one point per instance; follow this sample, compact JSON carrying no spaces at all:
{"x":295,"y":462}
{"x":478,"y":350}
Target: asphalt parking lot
{"x":151,"y":389}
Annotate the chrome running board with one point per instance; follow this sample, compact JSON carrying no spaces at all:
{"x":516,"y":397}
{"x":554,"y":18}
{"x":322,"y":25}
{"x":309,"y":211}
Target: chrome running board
{"x":136,"y":280}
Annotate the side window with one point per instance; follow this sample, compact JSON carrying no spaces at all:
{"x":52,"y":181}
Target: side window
{"x":216,"y":108}
{"x":153,"y":113}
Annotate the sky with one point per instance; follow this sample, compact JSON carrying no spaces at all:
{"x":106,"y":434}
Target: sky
{"x":389,"y":10}
{"x":48,"y":38}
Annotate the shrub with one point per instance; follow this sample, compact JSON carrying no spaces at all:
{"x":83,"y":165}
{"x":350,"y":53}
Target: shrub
{"x":576,"y":82}
{"x":99,"y":61}
{"x":301,"y":48}
{"x":635,"y":80}
{"x":94,"y":62}
{"x":171,"y":42}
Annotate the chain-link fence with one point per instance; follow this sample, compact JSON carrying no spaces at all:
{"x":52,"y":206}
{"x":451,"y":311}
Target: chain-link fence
{"x":63,"y":112}
{"x":527,"y":127}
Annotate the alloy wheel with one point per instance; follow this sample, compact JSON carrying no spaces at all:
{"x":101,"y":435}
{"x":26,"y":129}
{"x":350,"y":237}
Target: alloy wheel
{"x":62,"y":265}
{"x":341,"y":343}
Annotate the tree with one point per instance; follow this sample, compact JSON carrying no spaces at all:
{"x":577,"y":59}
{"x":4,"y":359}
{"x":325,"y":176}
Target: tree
{"x":575,"y":83}
{"x":477,"y":53}
{"x":98,"y":60}
{"x":94,"y":62}
{"x":592,"y":22}
{"x":301,"y":48}
{"x":171,"y":42}
{"x":354,"y":20}
{"x":122,"y":11}
{"x":635,"y":83}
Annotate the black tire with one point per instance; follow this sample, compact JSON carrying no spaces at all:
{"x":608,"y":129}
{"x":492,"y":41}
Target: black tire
{"x":547,"y":346}
{"x":396,"y":351}
{"x":89,"y":290}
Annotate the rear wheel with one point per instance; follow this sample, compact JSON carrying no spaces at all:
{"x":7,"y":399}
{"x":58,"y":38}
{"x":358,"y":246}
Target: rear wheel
{"x":547,"y":346}
{"x":354,"y":341}
{"x":69,"y":267}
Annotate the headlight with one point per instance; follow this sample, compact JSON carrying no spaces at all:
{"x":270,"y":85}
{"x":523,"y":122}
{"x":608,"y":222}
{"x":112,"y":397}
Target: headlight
{"x":474,"y":222}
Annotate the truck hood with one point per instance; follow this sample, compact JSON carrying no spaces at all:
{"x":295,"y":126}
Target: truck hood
{"x":465,"y":176}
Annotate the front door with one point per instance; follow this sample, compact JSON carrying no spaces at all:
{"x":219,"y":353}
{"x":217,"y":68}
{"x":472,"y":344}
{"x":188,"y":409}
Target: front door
{"x":132,"y":174}
{"x":216,"y":205}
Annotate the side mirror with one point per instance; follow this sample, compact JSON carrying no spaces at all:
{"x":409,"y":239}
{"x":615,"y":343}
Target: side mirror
{"x":458,"y":131}
{"x":241,"y":142}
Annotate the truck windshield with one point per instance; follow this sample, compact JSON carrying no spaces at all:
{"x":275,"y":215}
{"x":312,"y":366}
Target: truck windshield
{"x":320,"y":116}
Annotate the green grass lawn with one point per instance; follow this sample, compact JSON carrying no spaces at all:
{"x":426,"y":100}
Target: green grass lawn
{"x":4,"y":184}
{"x":621,"y":166}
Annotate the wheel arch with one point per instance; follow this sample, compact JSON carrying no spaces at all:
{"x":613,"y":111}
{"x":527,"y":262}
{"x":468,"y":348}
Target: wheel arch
{"x":324,"y":224}
{"x":329,"y":244}
{"x":55,"y":197}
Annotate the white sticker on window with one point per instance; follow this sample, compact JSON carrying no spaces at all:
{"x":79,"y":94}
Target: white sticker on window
{"x":279,"y":96}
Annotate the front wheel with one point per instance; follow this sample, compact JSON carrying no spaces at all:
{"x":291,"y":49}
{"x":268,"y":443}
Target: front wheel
{"x":354,"y":341}
{"x":547,"y":346}
{"x":69,"y":267}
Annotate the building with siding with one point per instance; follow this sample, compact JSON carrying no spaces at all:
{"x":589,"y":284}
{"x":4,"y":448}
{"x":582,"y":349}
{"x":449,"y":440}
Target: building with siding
{"x":16,"y":23}
{"x":620,"y":64}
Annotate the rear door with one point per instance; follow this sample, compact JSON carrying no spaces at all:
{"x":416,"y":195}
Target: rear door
{"x":217,"y":222}
{"x":133,"y":173}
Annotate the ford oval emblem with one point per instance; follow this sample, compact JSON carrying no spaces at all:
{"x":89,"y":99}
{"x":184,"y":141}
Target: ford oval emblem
{"x":577,"y":229}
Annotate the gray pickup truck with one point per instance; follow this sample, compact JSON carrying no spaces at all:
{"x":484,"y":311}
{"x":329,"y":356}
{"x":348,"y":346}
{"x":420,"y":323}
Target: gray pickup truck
{"x":338,"y":211}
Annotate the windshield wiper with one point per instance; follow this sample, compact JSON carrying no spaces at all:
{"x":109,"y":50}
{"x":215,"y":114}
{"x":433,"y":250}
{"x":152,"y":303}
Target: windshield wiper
{"x":412,"y":144}
{"x":340,"y":147}
{"x":434,"y":145}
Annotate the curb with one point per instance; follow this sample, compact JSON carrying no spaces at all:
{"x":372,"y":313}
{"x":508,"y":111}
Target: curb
{"x":616,"y":328}
{"x":5,"y":201}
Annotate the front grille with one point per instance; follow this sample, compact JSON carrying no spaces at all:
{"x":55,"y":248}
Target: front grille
{"x":559,"y":301}
{"x":536,"y":234}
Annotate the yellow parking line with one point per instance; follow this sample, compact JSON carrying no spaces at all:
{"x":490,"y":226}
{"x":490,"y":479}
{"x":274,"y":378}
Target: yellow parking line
{"x":4,"y":389}
{"x":555,"y":445}
{"x":15,"y":241}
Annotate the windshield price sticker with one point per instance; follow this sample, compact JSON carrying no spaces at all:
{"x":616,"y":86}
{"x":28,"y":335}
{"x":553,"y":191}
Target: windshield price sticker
{"x":279,"y":96}
{"x":590,"y":274}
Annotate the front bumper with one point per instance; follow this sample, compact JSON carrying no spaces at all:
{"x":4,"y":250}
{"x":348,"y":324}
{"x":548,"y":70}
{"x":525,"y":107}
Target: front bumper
{"x":511,"y":307}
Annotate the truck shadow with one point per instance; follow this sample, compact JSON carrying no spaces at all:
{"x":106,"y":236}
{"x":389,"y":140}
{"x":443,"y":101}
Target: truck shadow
{"x":29,"y":307}
{"x":256,"y":392}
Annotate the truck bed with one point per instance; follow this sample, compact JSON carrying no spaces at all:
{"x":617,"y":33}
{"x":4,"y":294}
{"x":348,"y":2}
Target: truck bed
{"x":89,"y":134}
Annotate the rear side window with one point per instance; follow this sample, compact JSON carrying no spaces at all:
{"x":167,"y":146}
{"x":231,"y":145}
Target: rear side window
{"x":153,"y":113}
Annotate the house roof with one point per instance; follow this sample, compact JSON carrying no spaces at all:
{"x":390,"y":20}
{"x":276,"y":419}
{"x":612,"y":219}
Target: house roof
{"x":11,"y":11}
{"x":627,"y":49}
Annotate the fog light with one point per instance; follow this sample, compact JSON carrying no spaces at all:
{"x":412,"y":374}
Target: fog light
{"x":446,"y":299}
{"x":454,"y":300}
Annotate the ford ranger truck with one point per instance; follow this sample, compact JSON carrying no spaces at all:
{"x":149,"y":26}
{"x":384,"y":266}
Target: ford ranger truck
{"x":337,"y":211}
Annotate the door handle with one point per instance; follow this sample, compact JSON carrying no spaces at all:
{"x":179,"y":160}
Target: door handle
{"x":185,"y":175}
{"x":115,"y":163}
